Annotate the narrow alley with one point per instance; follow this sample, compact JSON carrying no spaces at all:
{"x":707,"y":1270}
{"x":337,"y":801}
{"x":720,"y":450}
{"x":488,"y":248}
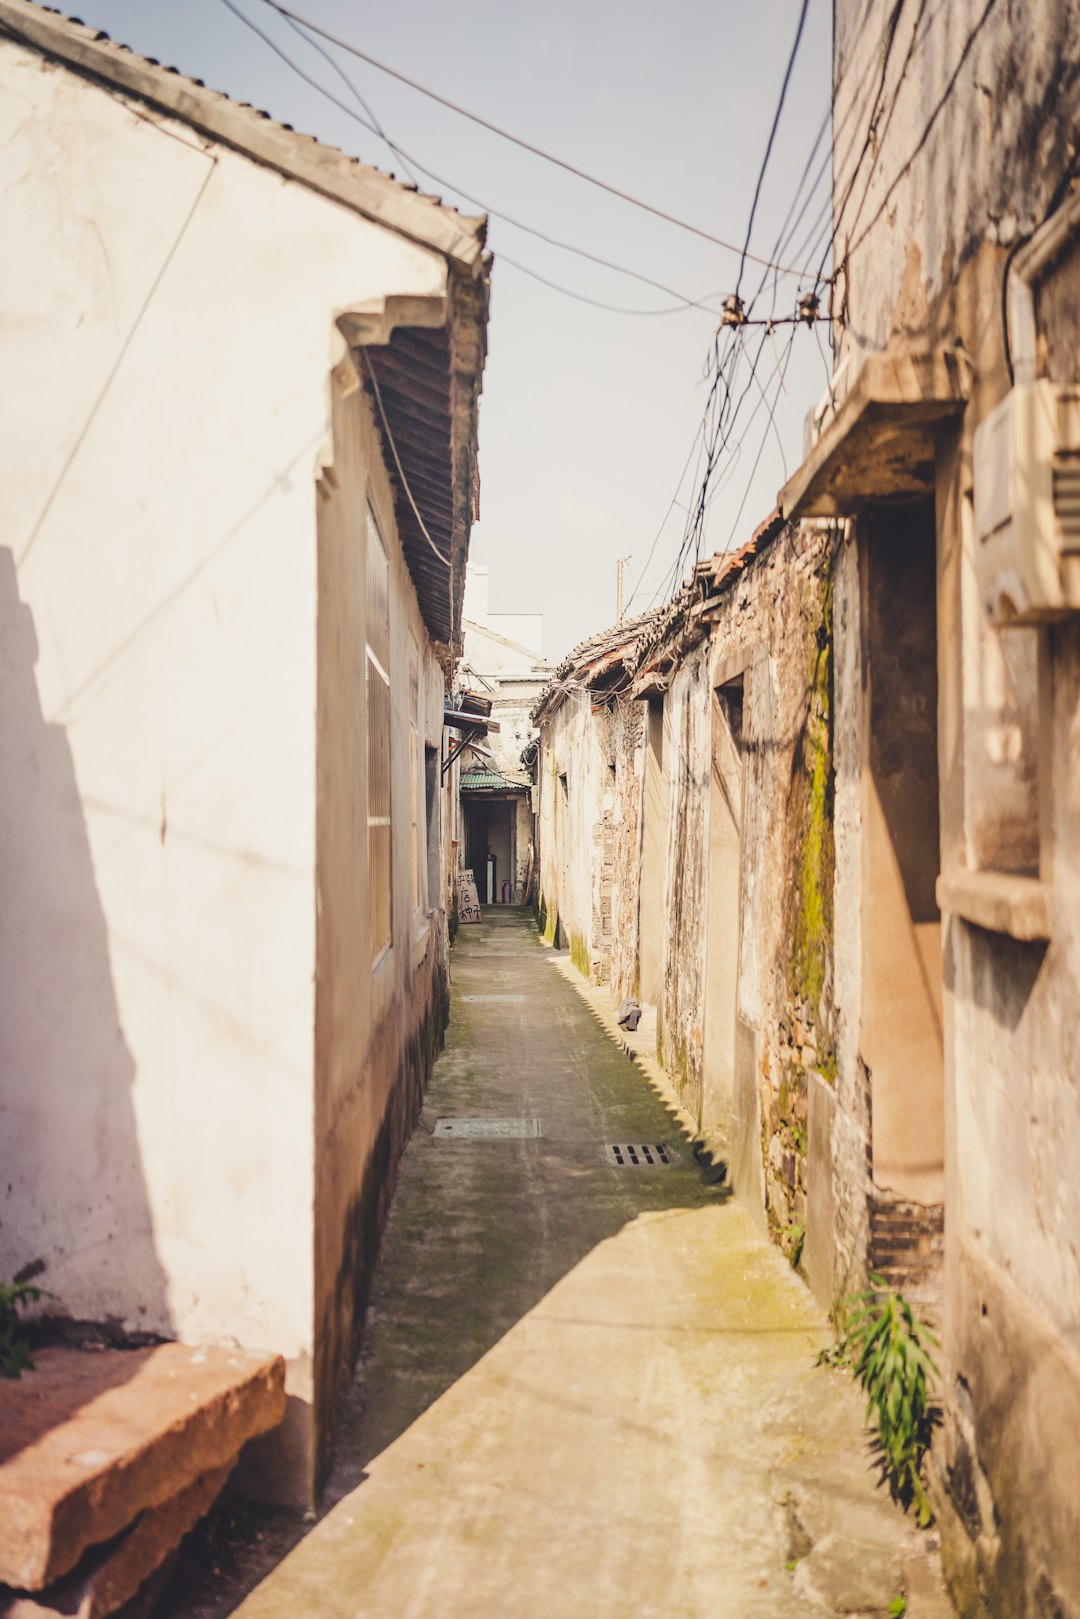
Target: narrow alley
{"x":586,"y":1390}
{"x":435,"y":622}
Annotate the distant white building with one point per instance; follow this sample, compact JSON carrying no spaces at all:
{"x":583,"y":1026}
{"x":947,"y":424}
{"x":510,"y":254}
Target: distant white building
{"x":503,"y":660}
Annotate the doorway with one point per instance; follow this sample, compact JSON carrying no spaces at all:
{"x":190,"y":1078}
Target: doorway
{"x":901,"y":1037}
{"x":490,"y":846}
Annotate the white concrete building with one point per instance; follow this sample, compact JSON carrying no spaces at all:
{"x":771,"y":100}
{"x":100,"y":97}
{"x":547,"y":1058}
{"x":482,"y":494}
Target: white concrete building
{"x":237,"y":450}
{"x":503,"y":662}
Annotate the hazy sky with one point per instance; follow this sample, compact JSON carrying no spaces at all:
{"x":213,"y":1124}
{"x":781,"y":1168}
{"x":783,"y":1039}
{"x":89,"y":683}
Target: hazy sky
{"x":587,"y":417}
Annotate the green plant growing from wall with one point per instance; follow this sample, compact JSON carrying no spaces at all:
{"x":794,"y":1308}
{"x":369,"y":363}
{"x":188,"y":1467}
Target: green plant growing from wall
{"x":14,"y":1338}
{"x":888,"y":1350}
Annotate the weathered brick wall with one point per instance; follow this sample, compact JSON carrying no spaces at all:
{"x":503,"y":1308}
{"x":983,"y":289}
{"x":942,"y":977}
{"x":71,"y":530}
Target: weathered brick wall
{"x":776,"y":625}
{"x":773,"y":630}
{"x":851,"y":1121}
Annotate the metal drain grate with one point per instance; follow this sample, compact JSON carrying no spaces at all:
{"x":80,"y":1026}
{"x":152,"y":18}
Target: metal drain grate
{"x":487,"y":1129}
{"x":641,"y":1155}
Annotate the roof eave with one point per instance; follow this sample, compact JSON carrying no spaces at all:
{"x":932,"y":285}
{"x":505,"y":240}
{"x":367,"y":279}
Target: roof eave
{"x":325,"y":169}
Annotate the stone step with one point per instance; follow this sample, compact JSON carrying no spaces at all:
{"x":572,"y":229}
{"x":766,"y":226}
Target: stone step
{"x":108,"y":1579}
{"x":90,"y":1440}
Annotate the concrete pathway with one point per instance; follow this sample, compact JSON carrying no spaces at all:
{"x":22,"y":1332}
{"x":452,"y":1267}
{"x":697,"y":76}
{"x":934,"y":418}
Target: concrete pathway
{"x":588,"y":1392}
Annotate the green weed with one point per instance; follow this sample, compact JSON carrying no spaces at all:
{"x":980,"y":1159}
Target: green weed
{"x":888,"y":1350}
{"x":14,"y":1339}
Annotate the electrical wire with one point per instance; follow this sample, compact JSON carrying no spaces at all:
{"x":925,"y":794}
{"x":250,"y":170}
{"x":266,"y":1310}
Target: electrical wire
{"x":451,"y":185}
{"x":788,"y":227}
{"x":873,"y":138}
{"x":443,"y":558}
{"x":925,"y":136}
{"x":724,"y":428}
{"x":527,"y":146}
{"x":769,"y":146}
{"x":761,"y":448}
{"x":353,"y":89}
{"x":597,"y":303}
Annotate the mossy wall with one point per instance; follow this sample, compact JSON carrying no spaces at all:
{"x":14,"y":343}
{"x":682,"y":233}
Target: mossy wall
{"x":804,"y":1034}
{"x":579,"y":954}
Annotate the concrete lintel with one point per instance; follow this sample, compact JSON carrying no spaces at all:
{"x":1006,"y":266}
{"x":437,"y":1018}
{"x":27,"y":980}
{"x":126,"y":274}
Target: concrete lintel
{"x":374,"y":321}
{"x":881,"y":444}
{"x":1000,"y":901}
{"x":733,"y":666}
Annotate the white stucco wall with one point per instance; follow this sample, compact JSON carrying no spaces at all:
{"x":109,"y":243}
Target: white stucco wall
{"x":166,"y":342}
{"x":572,"y":744}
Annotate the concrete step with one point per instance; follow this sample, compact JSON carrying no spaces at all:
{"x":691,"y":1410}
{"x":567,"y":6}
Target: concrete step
{"x":127,"y":1447}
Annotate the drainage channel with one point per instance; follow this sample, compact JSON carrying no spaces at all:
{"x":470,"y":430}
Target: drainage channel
{"x":641,"y":1155}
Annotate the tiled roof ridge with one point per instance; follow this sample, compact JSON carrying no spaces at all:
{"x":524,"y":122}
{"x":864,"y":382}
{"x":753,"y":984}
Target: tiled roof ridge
{"x":649,"y":633}
{"x":606,"y":640}
{"x":605,"y":643}
{"x":369,"y":191}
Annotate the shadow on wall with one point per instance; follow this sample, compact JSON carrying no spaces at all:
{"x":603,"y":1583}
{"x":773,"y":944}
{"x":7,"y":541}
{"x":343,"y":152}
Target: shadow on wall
{"x":72,"y":1193}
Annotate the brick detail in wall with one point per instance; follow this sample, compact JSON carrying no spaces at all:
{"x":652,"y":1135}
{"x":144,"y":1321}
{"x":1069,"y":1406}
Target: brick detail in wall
{"x":907,"y":1245}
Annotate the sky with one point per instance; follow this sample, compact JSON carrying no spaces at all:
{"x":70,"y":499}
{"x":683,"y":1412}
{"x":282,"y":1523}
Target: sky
{"x":587,"y":416}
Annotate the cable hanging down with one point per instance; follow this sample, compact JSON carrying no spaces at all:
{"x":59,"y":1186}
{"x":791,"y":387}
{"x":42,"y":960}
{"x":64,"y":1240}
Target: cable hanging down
{"x":406,"y":159}
{"x":370,"y":369}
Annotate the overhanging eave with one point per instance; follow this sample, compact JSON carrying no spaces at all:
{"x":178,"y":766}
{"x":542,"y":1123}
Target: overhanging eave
{"x":882,"y":442}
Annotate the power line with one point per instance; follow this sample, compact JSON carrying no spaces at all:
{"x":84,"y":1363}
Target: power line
{"x":723,"y":430}
{"x":871,"y":132}
{"x":451,"y":185}
{"x":527,"y":146}
{"x":351,"y":86}
{"x":764,"y":440}
{"x":597,"y":303}
{"x":769,"y":145}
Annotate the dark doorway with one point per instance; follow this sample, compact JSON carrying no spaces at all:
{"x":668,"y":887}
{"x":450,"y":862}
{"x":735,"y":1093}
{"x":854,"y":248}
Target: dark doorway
{"x":901,"y":924}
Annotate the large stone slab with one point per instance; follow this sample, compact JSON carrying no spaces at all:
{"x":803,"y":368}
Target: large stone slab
{"x":90,"y":1440}
{"x":109,"y":1577}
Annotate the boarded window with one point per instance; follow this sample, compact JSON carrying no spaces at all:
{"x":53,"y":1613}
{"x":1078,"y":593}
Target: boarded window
{"x":378,"y":732}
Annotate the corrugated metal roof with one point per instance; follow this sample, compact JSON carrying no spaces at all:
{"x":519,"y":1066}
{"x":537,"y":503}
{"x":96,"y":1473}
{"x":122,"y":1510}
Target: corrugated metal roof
{"x":476,"y":781}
